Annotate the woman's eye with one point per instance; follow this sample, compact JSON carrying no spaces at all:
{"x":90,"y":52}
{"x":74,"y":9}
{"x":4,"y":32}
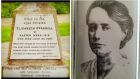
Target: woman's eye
{"x":105,"y":26}
{"x":92,"y":27}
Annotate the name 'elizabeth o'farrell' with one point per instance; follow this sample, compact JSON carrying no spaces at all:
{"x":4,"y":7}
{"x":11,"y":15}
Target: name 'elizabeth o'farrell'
{"x":34,"y":28}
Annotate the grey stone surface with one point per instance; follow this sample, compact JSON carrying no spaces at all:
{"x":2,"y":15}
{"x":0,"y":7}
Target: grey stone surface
{"x":65,"y":44}
{"x":62,"y":18}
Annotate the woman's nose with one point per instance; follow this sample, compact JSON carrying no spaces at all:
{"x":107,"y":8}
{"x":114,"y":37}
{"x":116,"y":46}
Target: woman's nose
{"x":98,"y":33}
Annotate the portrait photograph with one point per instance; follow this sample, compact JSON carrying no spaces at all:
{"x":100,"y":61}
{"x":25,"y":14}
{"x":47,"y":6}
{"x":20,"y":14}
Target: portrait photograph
{"x":106,"y":39}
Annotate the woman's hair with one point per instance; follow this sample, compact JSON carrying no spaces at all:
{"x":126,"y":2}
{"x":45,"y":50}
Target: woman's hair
{"x":117,"y":12}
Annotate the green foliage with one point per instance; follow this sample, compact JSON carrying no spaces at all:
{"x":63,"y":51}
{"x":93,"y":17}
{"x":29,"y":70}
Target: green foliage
{"x":63,"y":29}
{"x":61,"y":7}
{"x":8,"y":8}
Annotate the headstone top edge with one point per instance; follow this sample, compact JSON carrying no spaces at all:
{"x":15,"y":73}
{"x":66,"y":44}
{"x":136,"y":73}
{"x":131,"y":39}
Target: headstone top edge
{"x":34,"y":7}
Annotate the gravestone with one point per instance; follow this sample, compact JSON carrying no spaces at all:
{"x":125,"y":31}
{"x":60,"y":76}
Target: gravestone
{"x":34,"y":37}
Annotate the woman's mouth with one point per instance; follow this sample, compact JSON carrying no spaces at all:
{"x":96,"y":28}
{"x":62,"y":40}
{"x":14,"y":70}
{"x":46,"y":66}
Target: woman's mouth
{"x":97,"y":45}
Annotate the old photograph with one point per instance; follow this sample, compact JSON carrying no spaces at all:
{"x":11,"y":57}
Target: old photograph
{"x":106,"y":39}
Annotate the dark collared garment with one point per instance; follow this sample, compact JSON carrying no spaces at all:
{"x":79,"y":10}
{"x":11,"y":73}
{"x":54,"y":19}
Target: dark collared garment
{"x":89,"y":69}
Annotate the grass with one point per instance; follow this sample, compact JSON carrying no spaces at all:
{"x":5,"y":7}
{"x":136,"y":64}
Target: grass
{"x":63,"y":29}
{"x":6,"y":32}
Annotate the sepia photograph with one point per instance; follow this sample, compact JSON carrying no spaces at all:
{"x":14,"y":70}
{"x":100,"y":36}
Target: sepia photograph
{"x":106,"y":33}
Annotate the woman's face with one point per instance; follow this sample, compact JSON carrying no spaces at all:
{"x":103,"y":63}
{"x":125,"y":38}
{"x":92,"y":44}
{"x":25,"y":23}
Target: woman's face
{"x":105,"y":34}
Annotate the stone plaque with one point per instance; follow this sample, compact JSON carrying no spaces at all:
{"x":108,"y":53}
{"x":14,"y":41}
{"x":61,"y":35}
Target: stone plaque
{"x":35,"y":71}
{"x":35,"y":37}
